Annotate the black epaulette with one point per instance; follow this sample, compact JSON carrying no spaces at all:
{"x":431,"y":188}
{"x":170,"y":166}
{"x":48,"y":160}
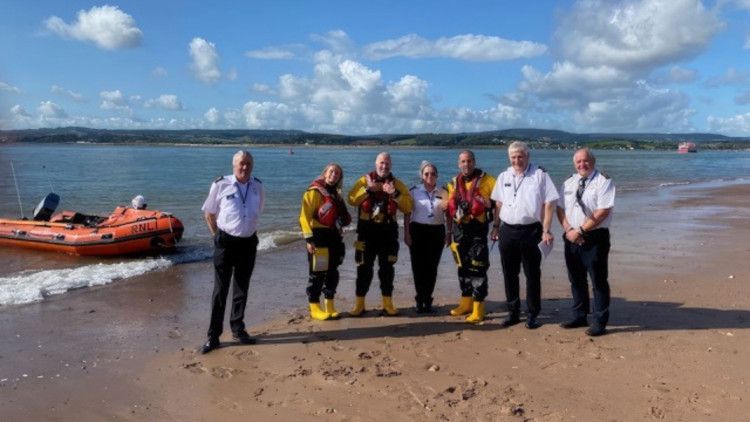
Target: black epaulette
{"x":257,"y":180}
{"x":606,"y":176}
{"x":218,"y":179}
{"x":412,"y":188}
{"x":569,"y":176}
{"x":542,"y":169}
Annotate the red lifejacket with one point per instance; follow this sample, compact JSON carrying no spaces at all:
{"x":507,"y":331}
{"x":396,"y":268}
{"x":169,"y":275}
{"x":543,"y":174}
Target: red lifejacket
{"x":466,"y":200}
{"x":379,"y":198}
{"x":333,"y":209}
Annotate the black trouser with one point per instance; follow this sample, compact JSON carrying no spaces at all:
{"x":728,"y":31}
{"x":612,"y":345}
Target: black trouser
{"x":590,"y":258}
{"x":325,"y":281}
{"x":232,"y":256}
{"x":427,"y":243}
{"x":519,"y":245}
{"x":475,"y":258}
{"x":381,"y":241}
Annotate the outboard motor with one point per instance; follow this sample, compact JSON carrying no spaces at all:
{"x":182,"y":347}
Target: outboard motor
{"x":139,"y":203}
{"x":46,"y":207}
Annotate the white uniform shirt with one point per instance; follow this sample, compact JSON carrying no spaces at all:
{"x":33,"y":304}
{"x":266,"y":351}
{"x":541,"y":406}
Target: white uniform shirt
{"x":598,"y":193}
{"x":236,"y":206}
{"x":523,"y":196}
{"x":427,"y":205}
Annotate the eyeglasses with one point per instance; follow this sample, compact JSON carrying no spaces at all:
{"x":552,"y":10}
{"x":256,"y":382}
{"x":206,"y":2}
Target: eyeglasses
{"x":429,"y":173}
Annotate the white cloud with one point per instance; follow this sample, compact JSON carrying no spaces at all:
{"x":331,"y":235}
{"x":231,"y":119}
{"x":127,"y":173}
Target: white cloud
{"x":51,"y":110}
{"x":205,"y":65}
{"x":345,"y":96}
{"x":731,"y":77}
{"x":213,"y":116}
{"x":166,"y":101}
{"x":17,"y":110}
{"x":636,"y":35}
{"x":270,"y":53}
{"x":9,"y":88}
{"x":337,"y":41}
{"x":68,"y":93}
{"x":643,"y":109}
{"x":263,"y":88}
{"x":605,"y":53}
{"x":159,"y":72}
{"x":738,"y":124}
{"x":463,"y":47}
{"x":107,"y":26}
{"x":680,"y":75}
{"x":114,"y":100}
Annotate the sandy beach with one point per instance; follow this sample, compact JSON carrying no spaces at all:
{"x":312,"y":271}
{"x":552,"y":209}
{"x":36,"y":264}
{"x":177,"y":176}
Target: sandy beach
{"x":677,"y":347}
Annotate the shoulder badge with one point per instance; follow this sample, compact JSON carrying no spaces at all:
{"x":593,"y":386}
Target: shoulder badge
{"x":569,"y":176}
{"x":218,"y":179}
{"x":257,"y":180}
{"x":412,"y":188}
{"x":542,"y":169}
{"x":606,"y":176}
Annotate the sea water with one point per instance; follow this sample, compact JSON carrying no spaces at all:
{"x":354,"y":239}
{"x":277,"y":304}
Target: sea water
{"x":94,"y":179}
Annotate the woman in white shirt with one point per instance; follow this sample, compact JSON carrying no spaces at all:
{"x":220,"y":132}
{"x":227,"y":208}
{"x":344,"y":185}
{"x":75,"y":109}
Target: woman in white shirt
{"x":425,"y":234}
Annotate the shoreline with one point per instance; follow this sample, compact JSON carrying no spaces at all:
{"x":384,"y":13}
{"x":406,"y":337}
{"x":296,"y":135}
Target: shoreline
{"x":676,"y":347}
{"x":375,"y":146}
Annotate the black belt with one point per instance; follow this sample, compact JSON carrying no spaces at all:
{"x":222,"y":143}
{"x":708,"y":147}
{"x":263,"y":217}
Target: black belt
{"x":225,"y":234}
{"x":522,"y":226}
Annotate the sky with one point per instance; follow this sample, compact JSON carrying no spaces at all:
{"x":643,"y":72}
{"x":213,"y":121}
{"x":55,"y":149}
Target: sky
{"x":378,"y":67}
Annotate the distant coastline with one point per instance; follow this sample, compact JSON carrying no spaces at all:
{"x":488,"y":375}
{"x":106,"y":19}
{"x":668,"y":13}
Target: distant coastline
{"x":536,"y":138}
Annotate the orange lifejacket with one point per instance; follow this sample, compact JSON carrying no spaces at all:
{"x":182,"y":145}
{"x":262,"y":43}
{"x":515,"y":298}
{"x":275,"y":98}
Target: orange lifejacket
{"x":333,"y":209}
{"x":466,"y":200}
{"x":379,"y":200}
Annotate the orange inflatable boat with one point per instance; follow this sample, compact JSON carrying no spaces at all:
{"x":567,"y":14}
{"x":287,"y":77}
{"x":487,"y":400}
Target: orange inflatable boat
{"x":128,"y":230}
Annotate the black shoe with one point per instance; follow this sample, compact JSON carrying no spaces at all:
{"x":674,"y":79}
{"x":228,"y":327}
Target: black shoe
{"x":419,"y":308}
{"x":596,"y":330}
{"x":532,"y":323}
{"x":243,"y":337}
{"x":509,"y":321}
{"x":210,"y":345}
{"x":428,"y":309}
{"x":574,"y":323}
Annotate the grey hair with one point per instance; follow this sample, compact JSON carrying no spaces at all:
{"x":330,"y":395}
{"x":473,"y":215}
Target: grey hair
{"x":424,"y":164}
{"x":519,"y":146}
{"x":238,"y":156}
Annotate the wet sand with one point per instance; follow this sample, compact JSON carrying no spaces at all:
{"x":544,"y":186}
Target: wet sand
{"x":677,"y":347}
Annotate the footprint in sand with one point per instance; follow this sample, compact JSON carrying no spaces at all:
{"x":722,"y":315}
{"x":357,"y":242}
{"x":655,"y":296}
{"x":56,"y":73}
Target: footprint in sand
{"x":246,"y":355}
{"x":224,"y":373}
{"x":195,"y":367}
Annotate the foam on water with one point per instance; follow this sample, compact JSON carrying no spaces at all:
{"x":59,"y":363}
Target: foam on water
{"x":29,"y":287}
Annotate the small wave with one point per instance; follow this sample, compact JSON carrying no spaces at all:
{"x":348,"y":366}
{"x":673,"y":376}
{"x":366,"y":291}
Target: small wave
{"x":29,"y":287}
{"x":277,"y":238}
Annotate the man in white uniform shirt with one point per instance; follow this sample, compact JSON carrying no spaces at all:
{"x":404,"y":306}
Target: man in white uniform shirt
{"x":585,"y":214}
{"x":232,"y":208}
{"x":525,"y":198}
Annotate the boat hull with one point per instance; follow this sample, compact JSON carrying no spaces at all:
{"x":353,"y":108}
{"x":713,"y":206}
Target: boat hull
{"x":127,"y":231}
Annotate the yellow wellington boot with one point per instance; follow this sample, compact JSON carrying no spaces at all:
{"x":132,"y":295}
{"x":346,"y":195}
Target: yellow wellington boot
{"x":478,"y":315}
{"x":317,"y":313}
{"x":359,"y":307}
{"x":388,"y":306}
{"x":464,"y":307}
{"x":331,"y":310}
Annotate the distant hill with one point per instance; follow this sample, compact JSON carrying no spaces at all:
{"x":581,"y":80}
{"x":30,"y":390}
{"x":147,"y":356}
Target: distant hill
{"x":537,"y":138}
